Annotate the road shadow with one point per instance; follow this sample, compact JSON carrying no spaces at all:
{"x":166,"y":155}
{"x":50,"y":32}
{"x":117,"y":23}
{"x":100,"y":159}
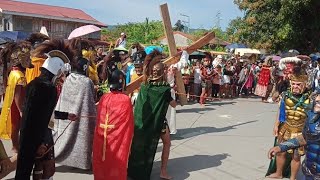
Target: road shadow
{"x":195,"y":110}
{"x":220,"y":103}
{"x":181,"y":167}
{"x":192,"y":132}
{"x":66,"y":169}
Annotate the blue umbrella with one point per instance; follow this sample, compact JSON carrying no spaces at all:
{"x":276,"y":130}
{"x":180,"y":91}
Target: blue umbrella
{"x":236,"y":45}
{"x":14,"y":35}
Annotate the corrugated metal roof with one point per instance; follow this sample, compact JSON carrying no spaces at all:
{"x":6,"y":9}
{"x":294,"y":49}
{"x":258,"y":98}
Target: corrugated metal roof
{"x":47,"y":10}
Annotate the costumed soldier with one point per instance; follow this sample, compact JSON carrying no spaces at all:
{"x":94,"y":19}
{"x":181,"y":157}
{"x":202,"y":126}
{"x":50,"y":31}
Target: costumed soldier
{"x":77,"y":97}
{"x":18,"y":54}
{"x":138,"y":59}
{"x":150,"y":113}
{"x":36,"y":141}
{"x":37,"y":59}
{"x":292,"y":116}
{"x":310,"y":139}
{"x":114,"y":132}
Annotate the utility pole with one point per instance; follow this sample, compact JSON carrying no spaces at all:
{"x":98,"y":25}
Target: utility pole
{"x":218,"y":19}
{"x":186,"y":22}
{"x":217,"y":26}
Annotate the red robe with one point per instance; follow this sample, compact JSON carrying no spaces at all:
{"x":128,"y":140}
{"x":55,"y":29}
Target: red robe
{"x":115,"y":122}
{"x":263,"y":82}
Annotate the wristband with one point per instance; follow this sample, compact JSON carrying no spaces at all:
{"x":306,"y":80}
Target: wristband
{"x":290,"y":144}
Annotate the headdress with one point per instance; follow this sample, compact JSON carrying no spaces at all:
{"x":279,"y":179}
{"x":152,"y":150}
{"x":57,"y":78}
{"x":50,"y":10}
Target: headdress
{"x":151,"y":60}
{"x":298,"y":75}
{"x":55,"y":44}
{"x":37,"y":38}
{"x":55,"y":61}
{"x":117,"y":80}
{"x":138,"y":58}
{"x":286,"y":64}
{"x":18,"y":54}
{"x":81,"y":46}
{"x":88,"y":54}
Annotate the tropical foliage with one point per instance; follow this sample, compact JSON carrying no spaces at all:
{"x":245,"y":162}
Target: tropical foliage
{"x":143,"y":32}
{"x":278,"y":24}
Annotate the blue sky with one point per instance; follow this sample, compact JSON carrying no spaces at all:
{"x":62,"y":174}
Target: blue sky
{"x":203,"y":13}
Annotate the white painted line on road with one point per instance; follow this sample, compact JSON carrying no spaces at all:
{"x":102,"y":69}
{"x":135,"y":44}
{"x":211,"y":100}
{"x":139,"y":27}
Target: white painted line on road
{"x":225,"y":116}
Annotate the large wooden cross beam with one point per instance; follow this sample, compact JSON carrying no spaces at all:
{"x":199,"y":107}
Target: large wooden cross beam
{"x":173,"y":51}
{"x":174,"y":56}
{"x":174,"y":59}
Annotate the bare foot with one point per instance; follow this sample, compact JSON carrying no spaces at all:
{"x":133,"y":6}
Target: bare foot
{"x":275,"y":176}
{"x":165,"y":177}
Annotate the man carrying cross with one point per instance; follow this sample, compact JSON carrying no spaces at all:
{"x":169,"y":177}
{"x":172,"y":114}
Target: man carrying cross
{"x":114,"y":132}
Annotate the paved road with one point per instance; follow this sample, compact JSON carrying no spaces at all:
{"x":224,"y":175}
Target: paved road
{"x":225,"y":140}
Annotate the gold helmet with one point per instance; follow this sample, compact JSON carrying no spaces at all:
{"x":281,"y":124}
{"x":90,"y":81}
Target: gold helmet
{"x":18,"y":54}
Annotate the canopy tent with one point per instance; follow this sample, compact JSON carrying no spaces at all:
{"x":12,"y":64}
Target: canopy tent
{"x":247,"y":51}
{"x":235,"y":46}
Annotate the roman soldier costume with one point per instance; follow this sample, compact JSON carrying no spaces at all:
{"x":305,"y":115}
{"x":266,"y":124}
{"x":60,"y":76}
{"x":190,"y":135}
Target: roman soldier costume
{"x":292,"y":113}
{"x":37,"y":58}
{"x":18,"y":54}
{"x":114,"y":132}
{"x":41,"y":99}
{"x":310,"y":139}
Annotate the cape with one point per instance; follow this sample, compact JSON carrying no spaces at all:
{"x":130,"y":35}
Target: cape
{"x":74,"y":147}
{"x":34,"y":72}
{"x":41,"y":98}
{"x":149,"y":115}
{"x":16,"y":77}
{"x":273,"y":165}
{"x":263,"y":82}
{"x":113,"y":137}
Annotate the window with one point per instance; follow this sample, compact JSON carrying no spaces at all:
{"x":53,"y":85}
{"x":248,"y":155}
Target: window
{"x":47,"y":24}
{"x":22,"y":24}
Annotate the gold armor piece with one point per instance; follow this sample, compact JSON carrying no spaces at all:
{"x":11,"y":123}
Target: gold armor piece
{"x":295,"y":119}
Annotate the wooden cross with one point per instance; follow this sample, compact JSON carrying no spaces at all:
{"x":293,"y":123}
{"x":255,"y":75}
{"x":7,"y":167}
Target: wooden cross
{"x":174,"y":57}
{"x":172,"y":51}
{"x":105,"y":126}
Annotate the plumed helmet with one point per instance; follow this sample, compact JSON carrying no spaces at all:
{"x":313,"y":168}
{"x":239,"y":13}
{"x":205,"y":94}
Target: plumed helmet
{"x":55,"y":62}
{"x":138,"y":58}
{"x":117,"y":80}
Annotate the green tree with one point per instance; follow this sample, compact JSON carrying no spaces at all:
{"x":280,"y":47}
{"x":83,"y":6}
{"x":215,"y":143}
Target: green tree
{"x":143,"y":32}
{"x":278,"y":24}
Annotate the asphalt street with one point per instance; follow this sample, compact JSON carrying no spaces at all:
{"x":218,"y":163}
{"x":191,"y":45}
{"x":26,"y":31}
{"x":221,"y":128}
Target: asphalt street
{"x":224,"y":140}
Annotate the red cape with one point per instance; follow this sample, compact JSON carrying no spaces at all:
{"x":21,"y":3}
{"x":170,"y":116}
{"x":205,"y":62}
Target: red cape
{"x":110,"y":155}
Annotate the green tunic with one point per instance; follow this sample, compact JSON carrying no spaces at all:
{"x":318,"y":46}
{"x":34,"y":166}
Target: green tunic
{"x":149,"y":115}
